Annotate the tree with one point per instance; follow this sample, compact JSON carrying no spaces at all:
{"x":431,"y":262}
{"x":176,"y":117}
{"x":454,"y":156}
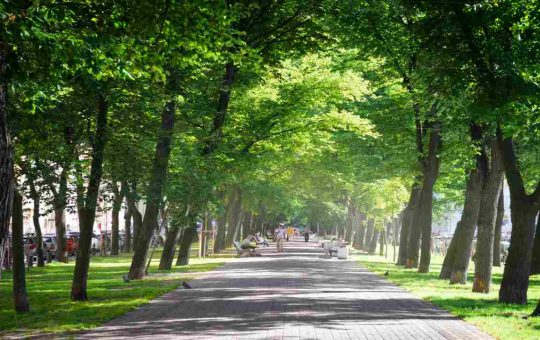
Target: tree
{"x":88,"y":210}
{"x":20,"y":297}
{"x":154,"y":194}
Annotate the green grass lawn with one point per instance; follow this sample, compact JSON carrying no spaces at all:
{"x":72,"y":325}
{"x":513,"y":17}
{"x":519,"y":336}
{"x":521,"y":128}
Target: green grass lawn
{"x":500,"y":320}
{"x":49,"y":290}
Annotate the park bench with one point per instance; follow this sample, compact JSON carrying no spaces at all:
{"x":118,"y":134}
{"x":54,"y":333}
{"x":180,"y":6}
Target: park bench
{"x":241,"y":252}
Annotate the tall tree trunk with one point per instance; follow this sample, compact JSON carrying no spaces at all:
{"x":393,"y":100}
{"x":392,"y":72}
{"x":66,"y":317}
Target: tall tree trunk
{"x":234,"y":216}
{"x":79,"y":187}
{"x":535,"y":257}
{"x":369,"y":233}
{"x":457,"y":259}
{"x":115,"y":226}
{"x":498,"y":229}
{"x":524,"y":209}
{"x":415,"y":232}
{"x":60,"y":202}
{"x":176,"y":227}
{"x":382,"y":242}
{"x":360,"y":233}
{"x":189,"y":235}
{"x":246,"y":224}
{"x":351,"y":212}
{"x":373,"y":242}
{"x":167,"y":256}
{"x":431,"y":172}
{"x":406,"y":223}
{"x":20,"y":297}
{"x":221,"y":112}
{"x":6,"y":154}
{"x":219,"y":244}
{"x":61,"y":242}
{"x":88,"y":212}
{"x":489,"y":201}
{"x":238,"y":230}
{"x":128,"y":213}
{"x":154,"y":193}
{"x":137,"y":223}
{"x":37,"y":225}
{"x":397,"y":228}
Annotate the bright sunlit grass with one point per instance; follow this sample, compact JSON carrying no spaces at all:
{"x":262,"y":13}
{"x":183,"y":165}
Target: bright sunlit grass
{"x":49,"y":289}
{"x":500,"y":320}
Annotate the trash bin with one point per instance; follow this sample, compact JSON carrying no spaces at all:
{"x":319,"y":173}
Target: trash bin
{"x":343,"y":253}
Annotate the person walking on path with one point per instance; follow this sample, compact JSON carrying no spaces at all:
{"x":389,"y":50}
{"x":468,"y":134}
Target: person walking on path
{"x":280,"y":236}
{"x":290,"y":232}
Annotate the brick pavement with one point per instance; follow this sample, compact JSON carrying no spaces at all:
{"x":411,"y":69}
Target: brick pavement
{"x":290,"y":295}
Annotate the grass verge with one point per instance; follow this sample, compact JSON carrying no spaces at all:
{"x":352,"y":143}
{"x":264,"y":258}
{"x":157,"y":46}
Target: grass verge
{"x":49,"y":290}
{"x":500,"y":320}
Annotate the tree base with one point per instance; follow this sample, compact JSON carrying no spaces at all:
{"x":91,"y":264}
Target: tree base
{"x":423,"y":268}
{"x":480,"y":286}
{"x":458,"y":277}
{"x":22,"y":305}
{"x":411,"y":263}
{"x":514,"y":295}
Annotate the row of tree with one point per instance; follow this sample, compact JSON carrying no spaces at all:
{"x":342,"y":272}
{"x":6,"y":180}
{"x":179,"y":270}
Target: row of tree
{"x":354,"y":115}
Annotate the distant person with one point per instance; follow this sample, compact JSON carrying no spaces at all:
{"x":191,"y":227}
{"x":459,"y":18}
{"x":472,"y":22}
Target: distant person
{"x":330,"y":247}
{"x":249,"y":243}
{"x":290,"y":232}
{"x":260,"y":240}
{"x":306,"y":235}
{"x":280,"y":237}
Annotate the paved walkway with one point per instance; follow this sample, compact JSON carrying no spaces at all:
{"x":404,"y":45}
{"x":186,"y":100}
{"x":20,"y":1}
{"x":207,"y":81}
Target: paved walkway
{"x":290,"y":295}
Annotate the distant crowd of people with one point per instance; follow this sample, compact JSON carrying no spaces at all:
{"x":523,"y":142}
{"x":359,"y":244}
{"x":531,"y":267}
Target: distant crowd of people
{"x":280,"y":235}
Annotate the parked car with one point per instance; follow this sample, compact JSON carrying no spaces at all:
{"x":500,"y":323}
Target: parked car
{"x":49,"y":244}
{"x":30,"y":246}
